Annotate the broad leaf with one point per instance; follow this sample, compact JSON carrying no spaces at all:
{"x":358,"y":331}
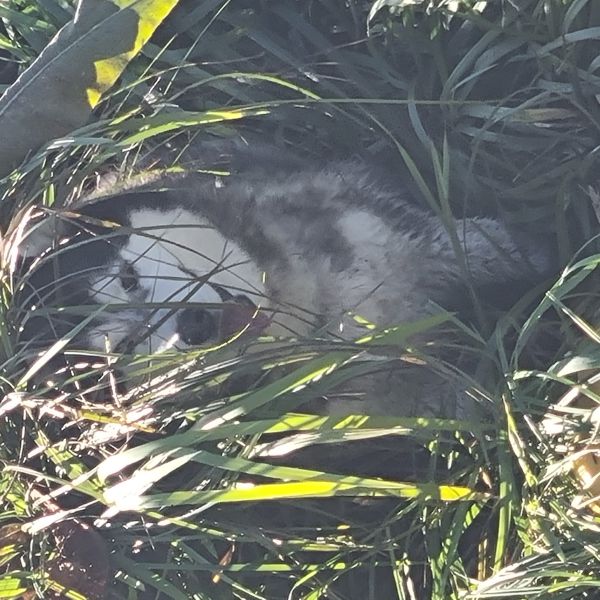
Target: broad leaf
{"x":57,"y":93}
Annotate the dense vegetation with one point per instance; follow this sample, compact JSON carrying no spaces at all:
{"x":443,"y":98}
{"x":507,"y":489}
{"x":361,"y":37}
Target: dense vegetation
{"x":480,"y":108}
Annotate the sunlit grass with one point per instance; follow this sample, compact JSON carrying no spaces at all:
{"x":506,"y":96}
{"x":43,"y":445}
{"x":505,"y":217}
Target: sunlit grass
{"x":198,"y":493}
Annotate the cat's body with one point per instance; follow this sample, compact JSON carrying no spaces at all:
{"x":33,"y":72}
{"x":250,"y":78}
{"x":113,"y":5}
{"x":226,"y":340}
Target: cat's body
{"x":281,"y":248}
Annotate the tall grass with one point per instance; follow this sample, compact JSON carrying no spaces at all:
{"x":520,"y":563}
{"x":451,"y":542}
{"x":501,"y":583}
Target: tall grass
{"x":475,"y":108}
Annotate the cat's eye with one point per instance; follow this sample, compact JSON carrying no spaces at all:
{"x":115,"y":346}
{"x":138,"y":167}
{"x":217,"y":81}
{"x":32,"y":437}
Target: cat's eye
{"x":128,"y":277}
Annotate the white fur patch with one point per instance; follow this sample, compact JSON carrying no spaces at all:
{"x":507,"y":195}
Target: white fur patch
{"x":171,"y":253}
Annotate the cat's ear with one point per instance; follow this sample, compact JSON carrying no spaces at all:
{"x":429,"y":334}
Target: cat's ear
{"x":36,"y":233}
{"x":43,"y":234}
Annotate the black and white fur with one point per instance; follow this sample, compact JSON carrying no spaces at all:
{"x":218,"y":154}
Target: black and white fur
{"x":302,"y":243}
